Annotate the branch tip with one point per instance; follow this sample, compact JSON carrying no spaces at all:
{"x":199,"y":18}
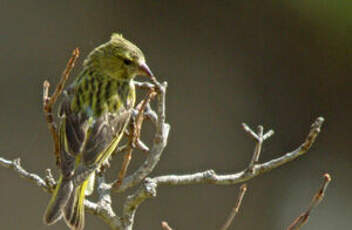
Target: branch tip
{"x":236,"y":207}
{"x":317,"y":198}
{"x":165,"y":225}
{"x":46,"y":84}
{"x":243,"y":187}
{"x":75,"y":52}
{"x":268,"y":134}
{"x":327,"y":177}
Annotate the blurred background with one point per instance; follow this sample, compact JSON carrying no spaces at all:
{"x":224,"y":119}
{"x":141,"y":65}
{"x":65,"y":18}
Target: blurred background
{"x":276,"y":63}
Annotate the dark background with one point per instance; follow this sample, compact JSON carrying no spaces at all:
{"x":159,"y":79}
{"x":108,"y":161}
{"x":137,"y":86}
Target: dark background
{"x":276,"y":63}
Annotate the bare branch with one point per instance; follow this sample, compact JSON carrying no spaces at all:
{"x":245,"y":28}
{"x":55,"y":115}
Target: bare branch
{"x":317,"y":198}
{"x":268,"y":134}
{"x":151,"y":114}
{"x":206,"y":177}
{"x":249,"y":131}
{"x":126,"y":161}
{"x":103,"y":207}
{"x":236,"y":208}
{"x":134,"y":136}
{"x":64,"y":77}
{"x":165,"y":225}
{"x":49,"y":102}
{"x":144,"y":85}
{"x":159,"y":143}
{"x":140,"y":145}
{"x":16,"y":166}
{"x":140,"y":116}
{"x":210,"y":177}
{"x":146,"y":190}
{"x":107,"y":215}
{"x":258,"y":148}
{"x":148,"y":187}
{"x":259,"y":137}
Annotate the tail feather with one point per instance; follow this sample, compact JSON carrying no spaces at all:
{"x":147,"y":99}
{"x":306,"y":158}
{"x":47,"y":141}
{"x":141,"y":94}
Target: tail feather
{"x":74,"y":209}
{"x":70,"y":206}
{"x":58,"y":200}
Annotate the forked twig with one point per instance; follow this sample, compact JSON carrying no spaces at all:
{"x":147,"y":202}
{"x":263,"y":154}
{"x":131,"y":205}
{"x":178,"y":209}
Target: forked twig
{"x":259,"y":137}
{"x":49,"y":101}
{"x":149,"y":186}
{"x":210,"y":177}
{"x":317,"y":198}
{"x":134,"y":136}
{"x":236,"y":208}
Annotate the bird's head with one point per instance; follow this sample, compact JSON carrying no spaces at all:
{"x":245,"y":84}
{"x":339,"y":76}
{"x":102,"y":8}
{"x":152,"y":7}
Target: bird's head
{"x":119,"y":59}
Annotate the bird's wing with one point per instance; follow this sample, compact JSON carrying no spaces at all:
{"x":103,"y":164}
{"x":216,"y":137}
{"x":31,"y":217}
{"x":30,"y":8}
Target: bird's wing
{"x":84,"y":136}
{"x":105,"y":132}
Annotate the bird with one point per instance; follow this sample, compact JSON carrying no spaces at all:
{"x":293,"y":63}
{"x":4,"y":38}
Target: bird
{"x":93,"y":114}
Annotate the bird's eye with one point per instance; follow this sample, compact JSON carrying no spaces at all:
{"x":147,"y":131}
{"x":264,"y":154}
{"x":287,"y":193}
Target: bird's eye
{"x":127,"y":61}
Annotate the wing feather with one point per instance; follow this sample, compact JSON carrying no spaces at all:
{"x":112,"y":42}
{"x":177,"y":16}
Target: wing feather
{"x":89,"y":137}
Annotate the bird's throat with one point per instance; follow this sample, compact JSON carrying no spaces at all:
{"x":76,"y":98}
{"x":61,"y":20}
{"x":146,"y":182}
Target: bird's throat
{"x":96,"y":94}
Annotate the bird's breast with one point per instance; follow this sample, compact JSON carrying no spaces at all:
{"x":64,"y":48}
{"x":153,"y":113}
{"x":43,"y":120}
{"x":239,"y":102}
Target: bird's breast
{"x":98,"y":95}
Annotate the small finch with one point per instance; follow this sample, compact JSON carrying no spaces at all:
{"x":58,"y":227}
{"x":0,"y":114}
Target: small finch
{"x":93,"y":116}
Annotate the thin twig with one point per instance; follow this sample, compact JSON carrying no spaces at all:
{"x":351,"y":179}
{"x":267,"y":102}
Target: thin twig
{"x":134,"y":137}
{"x":149,"y":185}
{"x":64,"y":77}
{"x":109,"y":217}
{"x":141,"y":146}
{"x":258,"y":148}
{"x":146,"y":190}
{"x":144,"y":85}
{"x":126,"y":161}
{"x":268,"y":134}
{"x":16,"y":166}
{"x":210,"y":177}
{"x":159,"y":143}
{"x":259,"y":137}
{"x":140,"y":116}
{"x":165,"y":225}
{"x":49,"y":102}
{"x":236,"y":208}
{"x":150,"y":114}
{"x":317,"y":198}
{"x":50,"y":121}
{"x":249,"y":131}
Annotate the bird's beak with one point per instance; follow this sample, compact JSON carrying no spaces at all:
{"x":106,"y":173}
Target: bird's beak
{"x":144,"y":70}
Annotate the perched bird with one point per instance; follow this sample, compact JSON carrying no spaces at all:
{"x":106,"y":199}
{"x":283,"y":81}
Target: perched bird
{"x":93,"y":116}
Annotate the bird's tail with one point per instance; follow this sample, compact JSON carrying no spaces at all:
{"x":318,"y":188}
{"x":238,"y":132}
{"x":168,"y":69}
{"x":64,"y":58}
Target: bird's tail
{"x":58,"y":200}
{"x":74,"y":209}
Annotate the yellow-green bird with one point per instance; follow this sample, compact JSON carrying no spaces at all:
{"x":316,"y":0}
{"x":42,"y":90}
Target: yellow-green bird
{"x":93,"y":115}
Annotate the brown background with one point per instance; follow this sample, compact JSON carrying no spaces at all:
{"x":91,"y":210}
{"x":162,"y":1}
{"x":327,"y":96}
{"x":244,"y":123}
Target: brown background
{"x":274,"y":63}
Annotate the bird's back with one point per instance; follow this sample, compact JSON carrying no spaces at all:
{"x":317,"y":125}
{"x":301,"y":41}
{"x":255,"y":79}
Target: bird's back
{"x":95,"y":110}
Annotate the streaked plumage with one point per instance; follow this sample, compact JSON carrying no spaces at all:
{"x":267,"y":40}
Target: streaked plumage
{"x":93,"y":115}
